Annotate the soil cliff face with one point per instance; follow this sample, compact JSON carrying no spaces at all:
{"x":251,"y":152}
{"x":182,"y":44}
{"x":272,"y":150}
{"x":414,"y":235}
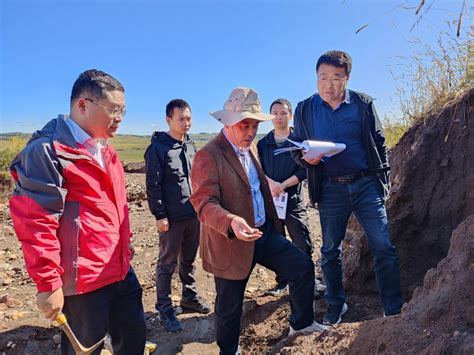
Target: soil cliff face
{"x":432,"y":192}
{"x":438,"y":319}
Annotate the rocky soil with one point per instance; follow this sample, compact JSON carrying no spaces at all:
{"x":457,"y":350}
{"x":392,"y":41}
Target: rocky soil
{"x":265,"y":319}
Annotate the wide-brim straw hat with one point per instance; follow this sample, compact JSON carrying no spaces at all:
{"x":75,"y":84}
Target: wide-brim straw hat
{"x":242,"y":103}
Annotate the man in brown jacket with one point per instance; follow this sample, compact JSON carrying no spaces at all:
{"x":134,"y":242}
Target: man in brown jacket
{"x":239,"y":223}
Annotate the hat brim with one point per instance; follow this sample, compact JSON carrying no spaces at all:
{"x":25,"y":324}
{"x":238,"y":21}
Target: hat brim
{"x":230,"y":118}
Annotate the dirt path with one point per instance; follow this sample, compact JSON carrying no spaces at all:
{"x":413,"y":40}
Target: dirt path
{"x":265,"y":319}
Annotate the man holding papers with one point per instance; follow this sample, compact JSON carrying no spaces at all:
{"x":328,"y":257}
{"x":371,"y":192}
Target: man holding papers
{"x":352,"y":181}
{"x":284,"y":175}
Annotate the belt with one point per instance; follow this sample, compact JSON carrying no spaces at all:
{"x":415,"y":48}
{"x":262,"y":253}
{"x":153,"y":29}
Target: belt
{"x":348,"y":179}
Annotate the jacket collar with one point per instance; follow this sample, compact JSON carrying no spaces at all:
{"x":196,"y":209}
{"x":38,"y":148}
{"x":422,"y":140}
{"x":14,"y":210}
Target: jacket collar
{"x":347,"y":99}
{"x":231,"y":156}
{"x":57,"y":130}
{"x":271,"y":136}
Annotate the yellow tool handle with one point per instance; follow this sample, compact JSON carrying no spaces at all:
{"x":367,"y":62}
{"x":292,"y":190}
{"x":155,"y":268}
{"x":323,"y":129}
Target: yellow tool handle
{"x":60,"y":319}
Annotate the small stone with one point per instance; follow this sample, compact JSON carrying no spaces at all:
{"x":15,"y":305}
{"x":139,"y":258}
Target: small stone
{"x":18,"y":315}
{"x":57,"y":338}
{"x":456,"y":333}
{"x":175,"y":298}
{"x":6,"y":281}
{"x":11,"y":256}
{"x":251,"y":289}
{"x":5,"y":266}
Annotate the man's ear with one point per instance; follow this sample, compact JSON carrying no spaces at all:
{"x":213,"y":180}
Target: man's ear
{"x":168,"y":120}
{"x":80,"y":105}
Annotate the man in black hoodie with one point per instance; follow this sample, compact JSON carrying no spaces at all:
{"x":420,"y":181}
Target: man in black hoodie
{"x":168,"y":167}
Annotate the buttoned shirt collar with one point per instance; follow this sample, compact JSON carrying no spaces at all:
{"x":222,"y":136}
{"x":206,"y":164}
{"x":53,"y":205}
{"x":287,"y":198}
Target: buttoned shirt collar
{"x":347,"y":99}
{"x":249,"y":167}
{"x":93,"y":146}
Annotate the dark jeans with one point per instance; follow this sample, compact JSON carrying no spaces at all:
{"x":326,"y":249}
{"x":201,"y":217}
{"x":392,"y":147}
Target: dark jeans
{"x":278,"y":254}
{"x":296,"y":222}
{"x":116,"y":309}
{"x":180,"y":242}
{"x":336,"y":203}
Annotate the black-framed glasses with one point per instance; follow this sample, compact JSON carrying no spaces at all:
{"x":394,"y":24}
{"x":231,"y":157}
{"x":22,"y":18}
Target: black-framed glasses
{"x":113,"y":112}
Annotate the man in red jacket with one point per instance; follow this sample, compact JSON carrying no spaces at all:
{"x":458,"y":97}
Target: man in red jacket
{"x":70,"y":213}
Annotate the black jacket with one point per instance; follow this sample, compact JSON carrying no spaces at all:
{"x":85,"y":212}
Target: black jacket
{"x":373,"y":136}
{"x":281,"y":167}
{"x":168,"y":168}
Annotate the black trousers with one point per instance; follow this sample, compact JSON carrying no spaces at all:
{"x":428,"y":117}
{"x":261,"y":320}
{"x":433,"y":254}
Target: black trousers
{"x":278,"y":254}
{"x":116,"y":309}
{"x":297,"y":223}
{"x":179,"y":244}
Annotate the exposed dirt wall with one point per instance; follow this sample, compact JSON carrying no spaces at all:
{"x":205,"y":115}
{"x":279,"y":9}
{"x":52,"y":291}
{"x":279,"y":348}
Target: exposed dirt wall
{"x":432,"y":192}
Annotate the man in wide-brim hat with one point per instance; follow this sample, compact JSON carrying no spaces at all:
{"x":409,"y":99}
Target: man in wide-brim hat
{"x":239,"y":223}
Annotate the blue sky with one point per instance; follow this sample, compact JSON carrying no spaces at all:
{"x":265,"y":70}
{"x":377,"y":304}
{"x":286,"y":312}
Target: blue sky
{"x":198,"y":51}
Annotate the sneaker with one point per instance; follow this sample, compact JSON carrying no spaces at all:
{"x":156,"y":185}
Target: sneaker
{"x":278,"y":291}
{"x":170,"y":322}
{"x":319,"y":287}
{"x":315,"y":327}
{"x":391,"y":314}
{"x":195,"y":305}
{"x":334,"y":313}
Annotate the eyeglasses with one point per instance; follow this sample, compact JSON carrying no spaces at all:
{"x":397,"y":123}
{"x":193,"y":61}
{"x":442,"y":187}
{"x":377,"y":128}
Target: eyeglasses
{"x":113,"y":112}
{"x":337,"y":80}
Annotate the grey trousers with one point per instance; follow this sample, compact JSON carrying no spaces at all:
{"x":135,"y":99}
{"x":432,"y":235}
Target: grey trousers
{"x":178,"y":245}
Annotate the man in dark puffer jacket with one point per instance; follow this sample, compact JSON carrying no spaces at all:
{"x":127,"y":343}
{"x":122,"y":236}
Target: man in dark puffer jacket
{"x":168,"y":167}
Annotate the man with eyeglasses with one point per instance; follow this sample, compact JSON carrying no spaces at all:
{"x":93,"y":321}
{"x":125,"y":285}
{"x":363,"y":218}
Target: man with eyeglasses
{"x":353,"y":181}
{"x":70,"y":213}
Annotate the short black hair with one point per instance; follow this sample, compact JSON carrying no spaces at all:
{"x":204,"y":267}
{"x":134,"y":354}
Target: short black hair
{"x":335,"y":58}
{"x":282,"y":101}
{"x":176,"y":103}
{"x":95,"y":83}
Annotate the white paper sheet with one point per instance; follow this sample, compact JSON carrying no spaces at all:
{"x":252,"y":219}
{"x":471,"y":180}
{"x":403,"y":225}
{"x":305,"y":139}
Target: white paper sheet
{"x":281,"y":202}
{"x":313,"y":149}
